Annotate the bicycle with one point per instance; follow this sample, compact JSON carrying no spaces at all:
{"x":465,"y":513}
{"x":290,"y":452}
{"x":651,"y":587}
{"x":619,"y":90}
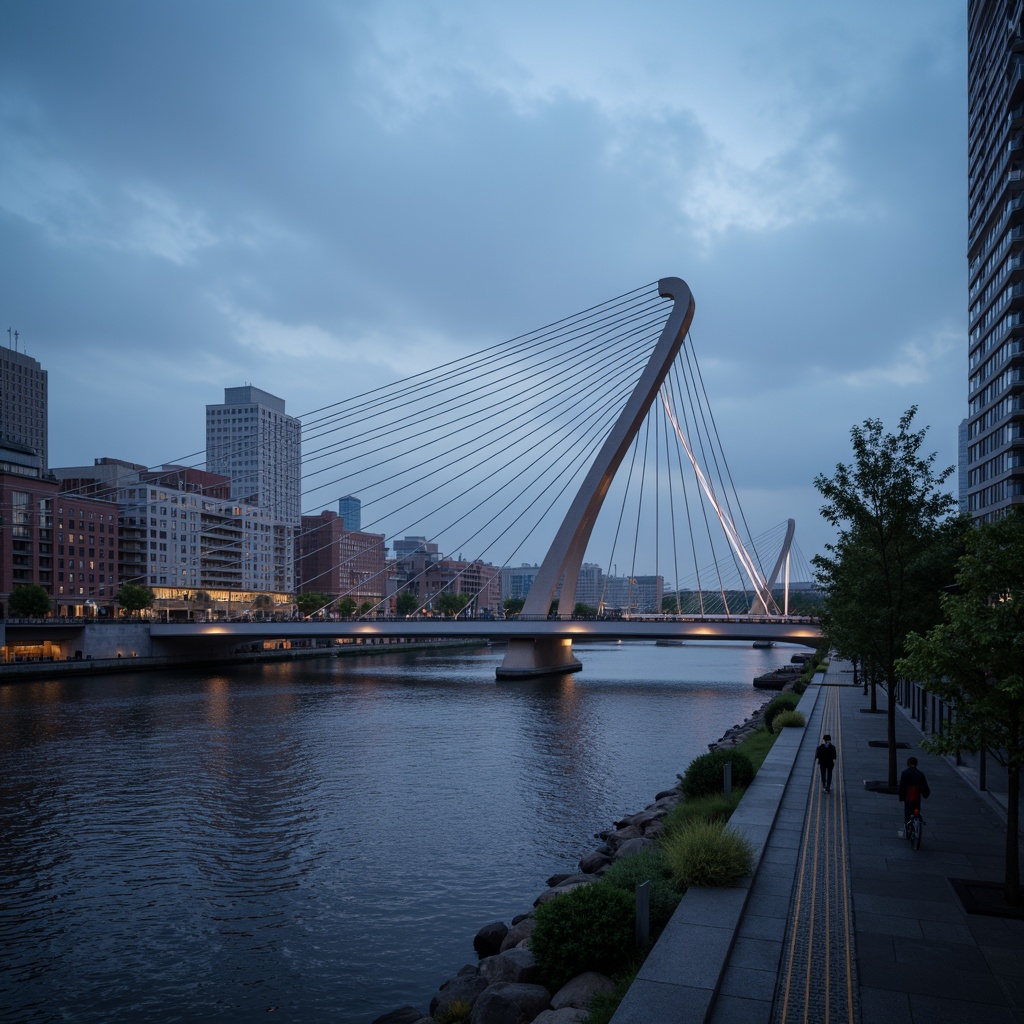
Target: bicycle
{"x":915,"y":826}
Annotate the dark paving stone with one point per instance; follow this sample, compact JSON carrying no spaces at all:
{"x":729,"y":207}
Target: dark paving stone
{"x":755,"y":927}
{"x":937,"y":1010}
{"x":646,"y":1002}
{"x":881,"y":1007}
{"x":756,"y":954}
{"x":748,"y":983}
{"x":941,"y":980}
{"x":732,"y":1009}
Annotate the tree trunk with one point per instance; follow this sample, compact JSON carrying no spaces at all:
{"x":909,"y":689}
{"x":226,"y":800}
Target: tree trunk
{"x":874,"y":691}
{"x":1011,"y":880}
{"x":890,"y":720}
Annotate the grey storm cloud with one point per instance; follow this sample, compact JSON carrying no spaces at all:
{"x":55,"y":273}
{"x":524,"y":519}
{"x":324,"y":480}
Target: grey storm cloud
{"x":318,"y":198}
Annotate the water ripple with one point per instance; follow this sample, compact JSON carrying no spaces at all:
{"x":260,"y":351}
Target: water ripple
{"x":316,"y":839}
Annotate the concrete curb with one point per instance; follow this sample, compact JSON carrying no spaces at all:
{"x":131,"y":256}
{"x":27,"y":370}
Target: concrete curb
{"x":681,"y":976}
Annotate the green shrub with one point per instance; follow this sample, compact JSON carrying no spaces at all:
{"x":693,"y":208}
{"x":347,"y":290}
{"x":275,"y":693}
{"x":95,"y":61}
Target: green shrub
{"x":647,"y":866}
{"x":708,"y":853}
{"x":592,"y":928}
{"x":789,"y":719}
{"x":783,"y":702}
{"x":716,"y":807}
{"x":704,"y":776}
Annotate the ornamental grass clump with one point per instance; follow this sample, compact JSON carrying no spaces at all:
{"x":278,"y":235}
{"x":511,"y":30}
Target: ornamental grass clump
{"x":706,"y":772}
{"x":591,"y":928}
{"x":456,"y":1012}
{"x":783,"y":702}
{"x":708,"y":853}
{"x":789,"y":719}
{"x":647,"y":866}
{"x":716,"y":807}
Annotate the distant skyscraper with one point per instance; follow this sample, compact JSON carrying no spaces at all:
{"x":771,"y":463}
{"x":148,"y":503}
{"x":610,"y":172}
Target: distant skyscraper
{"x":351,"y":511}
{"x":253,"y":441}
{"x":23,"y":409}
{"x":995,"y":253}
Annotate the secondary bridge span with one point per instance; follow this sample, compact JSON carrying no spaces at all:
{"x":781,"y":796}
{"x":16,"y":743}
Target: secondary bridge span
{"x":548,"y":635}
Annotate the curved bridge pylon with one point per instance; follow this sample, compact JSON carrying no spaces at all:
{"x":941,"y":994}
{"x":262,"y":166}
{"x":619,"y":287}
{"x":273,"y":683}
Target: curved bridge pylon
{"x":526,"y":658}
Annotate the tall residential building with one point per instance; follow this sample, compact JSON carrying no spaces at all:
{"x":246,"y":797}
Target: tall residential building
{"x":995,"y":420}
{"x":252,"y":440}
{"x":351,"y":510}
{"x":23,"y":391}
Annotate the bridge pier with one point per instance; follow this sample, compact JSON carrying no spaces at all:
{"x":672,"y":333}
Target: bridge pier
{"x":541,"y":656}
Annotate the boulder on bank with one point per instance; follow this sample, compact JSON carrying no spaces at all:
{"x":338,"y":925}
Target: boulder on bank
{"x":466,"y":988}
{"x":615,"y":839}
{"x":403,"y":1015}
{"x":581,"y":990}
{"x":632,"y":846}
{"x":566,"y":1015}
{"x":558,"y":890}
{"x":510,"y":1003}
{"x":517,"y":933}
{"x":513,"y":965}
{"x":593,"y":862}
{"x":487,"y":941}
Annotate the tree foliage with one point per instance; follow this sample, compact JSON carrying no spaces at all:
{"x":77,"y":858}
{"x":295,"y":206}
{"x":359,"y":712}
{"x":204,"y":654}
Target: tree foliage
{"x":134,"y":597}
{"x":311,"y":602}
{"x":406,"y":603}
{"x":28,"y":600}
{"x":895,"y":550}
{"x":513,"y":606}
{"x":974,"y":660}
{"x":452,"y":604}
{"x":346,"y":607}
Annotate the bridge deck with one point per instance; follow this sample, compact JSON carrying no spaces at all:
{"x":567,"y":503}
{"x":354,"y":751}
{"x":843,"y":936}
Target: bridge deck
{"x":799,"y":631}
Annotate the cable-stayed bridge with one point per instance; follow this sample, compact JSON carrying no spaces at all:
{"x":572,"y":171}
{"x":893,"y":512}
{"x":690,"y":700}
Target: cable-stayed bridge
{"x":591,"y":439}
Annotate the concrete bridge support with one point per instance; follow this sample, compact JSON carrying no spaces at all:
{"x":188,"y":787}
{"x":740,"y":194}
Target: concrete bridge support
{"x":541,"y":657}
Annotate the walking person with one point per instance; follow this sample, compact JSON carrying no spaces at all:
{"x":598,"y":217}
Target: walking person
{"x":913,"y":788}
{"x":825,"y":755}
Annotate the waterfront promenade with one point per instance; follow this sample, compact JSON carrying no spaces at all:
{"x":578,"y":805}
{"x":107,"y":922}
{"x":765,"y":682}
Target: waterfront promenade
{"x":842,"y":921}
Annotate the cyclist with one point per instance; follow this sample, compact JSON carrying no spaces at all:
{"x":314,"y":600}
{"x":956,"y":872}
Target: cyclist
{"x":913,"y":787}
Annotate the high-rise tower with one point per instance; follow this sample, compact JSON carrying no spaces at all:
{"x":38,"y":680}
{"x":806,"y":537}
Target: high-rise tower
{"x":995,"y":420}
{"x":251,"y":439}
{"x":23,"y":412}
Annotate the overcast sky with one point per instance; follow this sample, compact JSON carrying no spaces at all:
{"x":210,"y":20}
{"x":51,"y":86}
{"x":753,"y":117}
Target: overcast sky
{"x":317,"y":197}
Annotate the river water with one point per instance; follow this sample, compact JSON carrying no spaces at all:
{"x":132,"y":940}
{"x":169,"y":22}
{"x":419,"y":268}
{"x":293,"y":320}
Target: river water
{"x":317,"y":839}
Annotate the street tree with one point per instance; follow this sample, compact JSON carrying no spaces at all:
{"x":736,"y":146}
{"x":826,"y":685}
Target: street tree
{"x":135,"y":597}
{"x":973,"y":661}
{"x":311,"y":602}
{"x":406,"y":603}
{"x":452,"y":604}
{"x":346,"y":607}
{"x":896,"y":548}
{"x":28,"y":601}
{"x":513,"y":606}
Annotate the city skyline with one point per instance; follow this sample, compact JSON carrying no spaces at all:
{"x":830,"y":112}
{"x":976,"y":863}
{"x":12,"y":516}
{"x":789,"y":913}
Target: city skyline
{"x":410,"y":185}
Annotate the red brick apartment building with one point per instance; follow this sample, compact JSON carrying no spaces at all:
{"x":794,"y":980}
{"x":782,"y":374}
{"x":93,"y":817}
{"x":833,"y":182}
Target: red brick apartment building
{"x":68,"y":546}
{"x":343,"y":563}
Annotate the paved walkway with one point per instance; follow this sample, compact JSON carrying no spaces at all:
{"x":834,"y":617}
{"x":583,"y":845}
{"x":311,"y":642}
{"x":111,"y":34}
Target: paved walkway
{"x":843,"y":923}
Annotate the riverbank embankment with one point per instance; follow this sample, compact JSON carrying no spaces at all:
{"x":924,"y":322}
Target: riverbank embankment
{"x":505,"y":983}
{"x":24,"y":671}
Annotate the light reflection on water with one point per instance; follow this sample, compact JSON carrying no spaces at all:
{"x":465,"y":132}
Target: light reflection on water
{"x":322,"y":838}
